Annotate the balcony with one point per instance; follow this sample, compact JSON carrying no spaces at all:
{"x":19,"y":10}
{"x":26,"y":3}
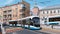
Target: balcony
{"x":7,"y":12}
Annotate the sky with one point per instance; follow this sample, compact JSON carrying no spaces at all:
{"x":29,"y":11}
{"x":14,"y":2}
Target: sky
{"x":40,"y":3}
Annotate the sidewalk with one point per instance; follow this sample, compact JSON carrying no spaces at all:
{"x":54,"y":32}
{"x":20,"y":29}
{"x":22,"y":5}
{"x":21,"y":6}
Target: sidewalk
{"x":48,"y":28}
{"x":13,"y":29}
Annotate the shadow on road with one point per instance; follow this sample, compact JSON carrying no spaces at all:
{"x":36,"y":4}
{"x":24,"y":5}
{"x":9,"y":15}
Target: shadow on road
{"x":29,"y":32}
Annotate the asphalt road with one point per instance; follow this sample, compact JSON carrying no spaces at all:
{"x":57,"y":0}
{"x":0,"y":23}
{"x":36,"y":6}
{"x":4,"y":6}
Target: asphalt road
{"x":25,"y":31}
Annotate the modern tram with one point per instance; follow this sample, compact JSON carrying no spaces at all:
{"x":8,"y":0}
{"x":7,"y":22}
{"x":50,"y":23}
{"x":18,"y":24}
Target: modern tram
{"x":53,"y":20}
{"x":31,"y":22}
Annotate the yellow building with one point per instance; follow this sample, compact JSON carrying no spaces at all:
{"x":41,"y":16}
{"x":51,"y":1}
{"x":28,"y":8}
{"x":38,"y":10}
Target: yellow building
{"x":14,"y":12}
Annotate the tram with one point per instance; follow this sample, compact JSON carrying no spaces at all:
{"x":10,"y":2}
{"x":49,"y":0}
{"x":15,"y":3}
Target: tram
{"x":31,"y":22}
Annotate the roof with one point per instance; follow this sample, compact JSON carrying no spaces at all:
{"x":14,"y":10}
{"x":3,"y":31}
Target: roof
{"x":51,"y":7}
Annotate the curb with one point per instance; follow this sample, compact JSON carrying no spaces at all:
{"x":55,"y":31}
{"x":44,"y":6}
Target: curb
{"x":50,"y":29}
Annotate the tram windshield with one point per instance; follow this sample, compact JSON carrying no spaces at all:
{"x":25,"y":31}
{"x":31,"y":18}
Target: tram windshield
{"x":36,"y":22}
{"x":36,"y":19}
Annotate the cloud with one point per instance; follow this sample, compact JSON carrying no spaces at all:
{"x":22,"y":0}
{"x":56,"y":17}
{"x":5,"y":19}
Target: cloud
{"x":8,"y":2}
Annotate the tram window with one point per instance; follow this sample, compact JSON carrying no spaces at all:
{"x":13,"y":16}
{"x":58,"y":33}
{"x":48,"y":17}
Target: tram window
{"x":35,"y":20}
{"x":45,"y":18}
{"x":54,"y":19}
{"x":19,"y":22}
{"x":28,"y":20}
{"x":24,"y":21}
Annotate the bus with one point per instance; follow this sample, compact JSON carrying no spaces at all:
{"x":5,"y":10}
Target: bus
{"x":31,"y":22}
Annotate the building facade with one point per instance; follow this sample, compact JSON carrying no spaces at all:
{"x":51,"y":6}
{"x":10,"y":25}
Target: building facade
{"x":49,"y":12}
{"x":14,"y":12}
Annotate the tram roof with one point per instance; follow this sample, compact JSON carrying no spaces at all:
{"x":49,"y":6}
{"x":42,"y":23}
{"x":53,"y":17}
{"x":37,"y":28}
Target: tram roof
{"x":24,"y":18}
{"x":12,"y":20}
{"x":27,"y":17}
{"x":54,"y":16}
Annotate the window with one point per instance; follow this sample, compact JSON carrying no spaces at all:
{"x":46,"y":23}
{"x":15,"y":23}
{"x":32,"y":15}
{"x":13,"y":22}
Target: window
{"x":54,"y":19}
{"x":50,"y":11}
{"x":54,"y":11}
{"x":22,"y":15}
{"x":24,"y":7}
{"x":9,"y":15}
{"x":5,"y":11}
{"x":45,"y":18}
{"x":21,"y":10}
{"x":47,"y":12}
{"x":4,"y":16}
{"x":43,"y":12}
{"x":58,"y":11}
{"x":9,"y":10}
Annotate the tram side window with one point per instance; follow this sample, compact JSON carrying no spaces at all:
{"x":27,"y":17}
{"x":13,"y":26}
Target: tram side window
{"x":24,"y":21}
{"x":28,"y":21}
{"x":20,"y":22}
{"x":54,"y":19}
